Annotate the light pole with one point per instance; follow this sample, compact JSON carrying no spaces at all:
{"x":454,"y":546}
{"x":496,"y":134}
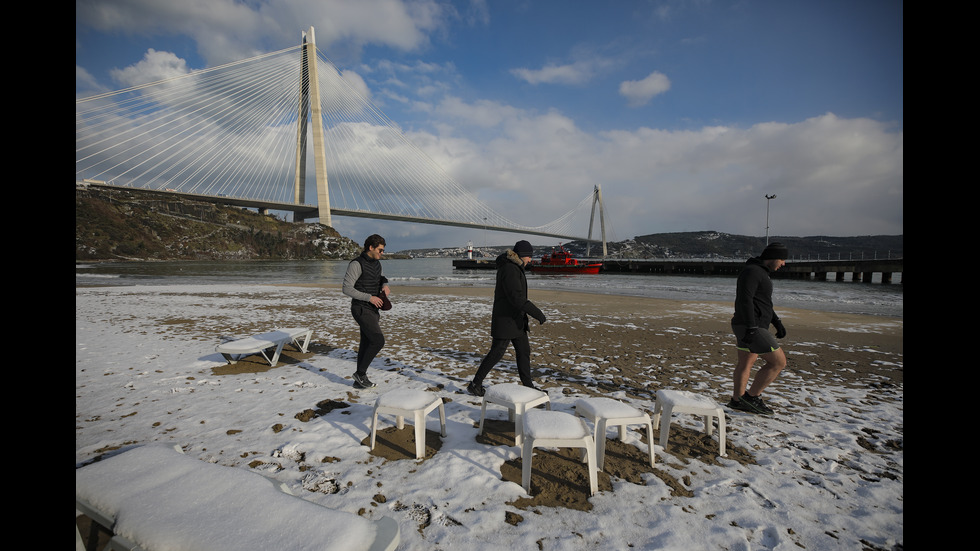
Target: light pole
{"x":768,"y":198}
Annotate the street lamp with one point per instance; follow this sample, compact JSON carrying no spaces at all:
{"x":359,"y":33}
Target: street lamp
{"x":768,"y":198}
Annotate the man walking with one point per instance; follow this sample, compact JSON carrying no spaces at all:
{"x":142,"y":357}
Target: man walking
{"x":365,"y":283}
{"x":750,"y":324}
{"x":508,"y":322}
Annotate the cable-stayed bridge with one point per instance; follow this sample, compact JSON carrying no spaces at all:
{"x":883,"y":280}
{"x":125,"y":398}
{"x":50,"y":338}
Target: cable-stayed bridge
{"x":256,"y":132}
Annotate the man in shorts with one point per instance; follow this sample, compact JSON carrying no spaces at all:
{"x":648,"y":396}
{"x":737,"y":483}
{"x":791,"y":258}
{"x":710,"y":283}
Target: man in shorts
{"x":750,"y":324}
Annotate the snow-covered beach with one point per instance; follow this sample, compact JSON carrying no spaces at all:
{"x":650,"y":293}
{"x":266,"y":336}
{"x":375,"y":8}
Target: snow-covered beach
{"x":826,"y":472}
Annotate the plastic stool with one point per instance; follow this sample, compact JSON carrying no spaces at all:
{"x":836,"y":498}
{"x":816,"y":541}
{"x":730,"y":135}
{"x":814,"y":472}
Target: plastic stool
{"x":415,"y":403}
{"x":517,"y":399}
{"x":682,"y":401}
{"x":604,"y":412}
{"x":545,"y":429}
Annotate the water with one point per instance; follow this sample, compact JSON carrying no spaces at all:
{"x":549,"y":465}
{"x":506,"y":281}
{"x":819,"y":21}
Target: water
{"x":848,"y":297}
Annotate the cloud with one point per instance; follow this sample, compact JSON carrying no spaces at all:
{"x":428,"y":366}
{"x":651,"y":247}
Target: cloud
{"x":639,"y":92}
{"x":577,"y":72}
{"x":554,"y":74}
{"x":229,"y":30}
{"x":86,"y":82}
{"x":833,"y":176}
{"x":153,"y":67}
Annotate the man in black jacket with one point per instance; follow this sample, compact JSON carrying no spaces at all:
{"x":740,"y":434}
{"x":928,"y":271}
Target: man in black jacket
{"x":508,"y":322}
{"x":365,"y":283}
{"x":753,"y":316}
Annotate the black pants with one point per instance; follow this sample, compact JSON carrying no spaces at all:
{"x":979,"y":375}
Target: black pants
{"x":522,"y":352}
{"x":372,"y":339}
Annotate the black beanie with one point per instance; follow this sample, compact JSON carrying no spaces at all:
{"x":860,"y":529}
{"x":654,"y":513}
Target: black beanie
{"x":775,"y":250}
{"x":523,"y":248}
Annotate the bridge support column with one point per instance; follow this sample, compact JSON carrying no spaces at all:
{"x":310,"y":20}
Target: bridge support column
{"x":597,"y":198}
{"x":309,"y":108}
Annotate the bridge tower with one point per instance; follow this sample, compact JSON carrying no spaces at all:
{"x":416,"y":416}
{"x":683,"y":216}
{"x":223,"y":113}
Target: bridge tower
{"x":597,"y":199}
{"x":310,"y":111}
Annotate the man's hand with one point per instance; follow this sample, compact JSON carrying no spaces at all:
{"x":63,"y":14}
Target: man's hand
{"x":780,"y":330}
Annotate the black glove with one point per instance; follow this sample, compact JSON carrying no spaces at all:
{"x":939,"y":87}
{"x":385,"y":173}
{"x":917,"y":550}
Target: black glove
{"x":780,"y":330}
{"x":535,"y":313}
{"x":749,"y":335}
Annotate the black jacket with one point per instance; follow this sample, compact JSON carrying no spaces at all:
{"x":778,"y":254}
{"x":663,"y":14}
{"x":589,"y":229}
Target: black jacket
{"x":753,"y":296}
{"x":510,"y":304}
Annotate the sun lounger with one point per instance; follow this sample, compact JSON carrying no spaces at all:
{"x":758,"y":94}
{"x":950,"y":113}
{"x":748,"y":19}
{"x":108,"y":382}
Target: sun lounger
{"x":261,"y":344}
{"x":153,"y":497}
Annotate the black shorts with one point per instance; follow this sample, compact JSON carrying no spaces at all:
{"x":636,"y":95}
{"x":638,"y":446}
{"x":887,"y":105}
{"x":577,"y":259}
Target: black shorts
{"x":763,"y":343}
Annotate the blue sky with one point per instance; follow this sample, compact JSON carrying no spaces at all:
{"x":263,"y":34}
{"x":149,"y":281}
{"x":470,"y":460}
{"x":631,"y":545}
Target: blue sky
{"x":687,"y":113}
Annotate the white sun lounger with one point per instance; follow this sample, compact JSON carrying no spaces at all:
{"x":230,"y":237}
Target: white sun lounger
{"x":153,"y":497}
{"x":261,"y":344}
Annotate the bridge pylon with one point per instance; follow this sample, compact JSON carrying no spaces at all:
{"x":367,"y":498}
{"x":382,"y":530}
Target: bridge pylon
{"x":597,"y":199}
{"x":310,"y":112}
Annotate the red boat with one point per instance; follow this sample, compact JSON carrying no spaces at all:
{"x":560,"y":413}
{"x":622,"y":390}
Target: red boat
{"x":561,"y":262}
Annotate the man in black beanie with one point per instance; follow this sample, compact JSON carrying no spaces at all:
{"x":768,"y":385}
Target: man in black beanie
{"x":508,"y":321}
{"x":753,"y":315}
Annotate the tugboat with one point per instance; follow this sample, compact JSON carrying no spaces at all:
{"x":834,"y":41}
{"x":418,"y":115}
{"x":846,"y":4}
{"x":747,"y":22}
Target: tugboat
{"x":561,"y":262}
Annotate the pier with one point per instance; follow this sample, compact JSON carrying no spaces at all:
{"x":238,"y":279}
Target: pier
{"x":842,"y":270}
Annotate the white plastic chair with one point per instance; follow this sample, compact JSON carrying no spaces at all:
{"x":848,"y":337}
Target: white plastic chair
{"x":545,"y":428}
{"x":682,"y":401}
{"x":409,"y":403}
{"x":605,"y":412}
{"x":518,"y":399}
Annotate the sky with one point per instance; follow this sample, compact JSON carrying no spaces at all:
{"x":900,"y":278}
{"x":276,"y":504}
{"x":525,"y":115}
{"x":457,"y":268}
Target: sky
{"x":687,"y":114}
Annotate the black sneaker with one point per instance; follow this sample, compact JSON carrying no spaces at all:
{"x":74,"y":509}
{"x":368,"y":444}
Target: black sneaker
{"x":740,"y":405}
{"x":757,"y":405}
{"x":361,"y":381}
{"x":476,"y":390}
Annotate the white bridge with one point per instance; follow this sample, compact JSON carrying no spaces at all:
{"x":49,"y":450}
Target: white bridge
{"x":241,"y":134}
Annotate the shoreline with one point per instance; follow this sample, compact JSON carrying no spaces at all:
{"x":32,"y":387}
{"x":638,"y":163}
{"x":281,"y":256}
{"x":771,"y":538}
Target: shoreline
{"x":672,"y":335}
{"x":616,"y":336}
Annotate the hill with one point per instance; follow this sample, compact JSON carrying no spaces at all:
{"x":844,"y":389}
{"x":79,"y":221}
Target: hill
{"x":129,"y":224}
{"x":708,"y":244}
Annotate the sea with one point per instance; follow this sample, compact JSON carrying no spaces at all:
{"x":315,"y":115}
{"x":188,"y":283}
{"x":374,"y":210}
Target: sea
{"x":870,"y":298}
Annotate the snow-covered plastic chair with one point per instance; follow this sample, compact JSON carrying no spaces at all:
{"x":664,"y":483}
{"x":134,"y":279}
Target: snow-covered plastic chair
{"x":409,"y":403}
{"x":683,"y":401}
{"x":544,"y":429}
{"x":605,"y":412}
{"x":262,"y":343}
{"x":517,"y":399}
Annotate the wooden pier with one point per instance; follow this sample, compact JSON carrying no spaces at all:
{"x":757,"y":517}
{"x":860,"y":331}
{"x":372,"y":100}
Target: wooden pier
{"x":843,"y":270}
